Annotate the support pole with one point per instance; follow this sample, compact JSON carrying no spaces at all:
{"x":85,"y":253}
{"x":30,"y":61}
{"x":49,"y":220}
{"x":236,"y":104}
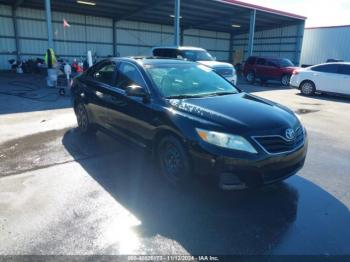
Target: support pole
{"x":114,"y":37}
{"x":251,"y":32}
{"x":231,"y":56}
{"x":177,"y":23}
{"x":49,"y":23}
{"x":299,"y":43}
{"x":15,"y":29}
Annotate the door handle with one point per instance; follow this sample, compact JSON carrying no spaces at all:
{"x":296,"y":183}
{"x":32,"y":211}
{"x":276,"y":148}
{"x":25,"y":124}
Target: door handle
{"x":99,"y":94}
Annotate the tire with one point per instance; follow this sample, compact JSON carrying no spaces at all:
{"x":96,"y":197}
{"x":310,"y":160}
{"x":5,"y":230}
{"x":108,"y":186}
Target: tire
{"x":285,"y":80}
{"x":84,"y":124}
{"x":250,"y":77}
{"x":173,"y":161}
{"x":307,"y":88}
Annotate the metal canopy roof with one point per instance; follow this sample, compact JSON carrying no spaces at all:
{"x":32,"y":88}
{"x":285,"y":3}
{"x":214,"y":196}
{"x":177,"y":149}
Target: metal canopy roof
{"x":216,"y":15}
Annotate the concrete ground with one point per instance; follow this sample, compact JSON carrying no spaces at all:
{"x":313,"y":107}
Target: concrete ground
{"x":62,"y":193}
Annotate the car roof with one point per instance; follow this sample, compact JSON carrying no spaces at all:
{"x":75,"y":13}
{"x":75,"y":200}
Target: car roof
{"x":268,"y":57}
{"x":179,"y":48}
{"x":333,"y":63}
{"x":150,"y":60}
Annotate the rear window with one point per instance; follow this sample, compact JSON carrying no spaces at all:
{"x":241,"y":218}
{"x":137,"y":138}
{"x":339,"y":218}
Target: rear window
{"x":165,"y":52}
{"x":344,"y":69}
{"x":261,"y":61}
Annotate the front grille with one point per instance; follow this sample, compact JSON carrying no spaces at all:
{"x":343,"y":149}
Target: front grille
{"x":224,"y":71}
{"x":278,"y":144}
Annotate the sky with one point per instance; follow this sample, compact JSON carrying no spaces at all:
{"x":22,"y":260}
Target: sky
{"x":318,"y":12}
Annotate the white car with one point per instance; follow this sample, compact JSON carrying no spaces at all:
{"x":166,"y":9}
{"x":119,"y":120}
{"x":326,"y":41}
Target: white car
{"x":324,"y":78}
{"x":199,"y":55}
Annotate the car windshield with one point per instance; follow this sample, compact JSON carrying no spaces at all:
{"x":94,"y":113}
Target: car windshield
{"x":188,"y":80}
{"x":197,"y":55}
{"x":283,"y":62}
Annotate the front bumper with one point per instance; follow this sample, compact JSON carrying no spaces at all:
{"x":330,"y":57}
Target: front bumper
{"x":240,"y":172}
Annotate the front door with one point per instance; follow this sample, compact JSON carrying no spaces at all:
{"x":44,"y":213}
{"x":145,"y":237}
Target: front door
{"x":135,"y":116}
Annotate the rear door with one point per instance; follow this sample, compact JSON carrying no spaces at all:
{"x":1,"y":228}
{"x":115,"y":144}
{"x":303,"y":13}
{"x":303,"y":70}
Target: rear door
{"x":260,"y":68}
{"x":273,"y":70}
{"x":344,"y":78}
{"x":326,"y":78}
{"x":100,"y":86}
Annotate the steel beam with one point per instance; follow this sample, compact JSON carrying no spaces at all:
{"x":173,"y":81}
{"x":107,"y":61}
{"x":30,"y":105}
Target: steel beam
{"x":15,"y":29}
{"x":49,"y":23}
{"x":251,"y":32}
{"x":18,"y":3}
{"x":140,"y":10}
{"x":299,"y":42}
{"x":114,"y":37}
{"x":231,"y":56}
{"x":177,"y":23}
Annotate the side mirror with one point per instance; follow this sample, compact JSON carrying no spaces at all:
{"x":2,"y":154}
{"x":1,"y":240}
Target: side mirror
{"x":135,"y":90}
{"x":214,"y":57}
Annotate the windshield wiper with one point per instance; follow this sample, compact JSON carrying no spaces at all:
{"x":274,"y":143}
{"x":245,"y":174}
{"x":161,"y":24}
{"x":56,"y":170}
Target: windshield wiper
{"x":222,"y":93}
{"x":182,"y":96}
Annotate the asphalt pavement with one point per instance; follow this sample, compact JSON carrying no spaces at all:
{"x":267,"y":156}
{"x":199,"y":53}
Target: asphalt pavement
{"x":64,"y":193}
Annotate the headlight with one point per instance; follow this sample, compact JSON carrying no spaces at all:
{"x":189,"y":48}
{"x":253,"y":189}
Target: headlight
{"x":226,"y":140}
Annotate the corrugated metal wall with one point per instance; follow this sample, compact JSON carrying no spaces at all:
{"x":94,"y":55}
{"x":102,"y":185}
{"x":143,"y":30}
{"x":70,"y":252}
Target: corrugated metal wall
{"x":137,"y":38}
{"x":321,"y":44}
{"x":7,"y":36}
{"x":217,"y":43}
{"x":132,"y":38}
{"x":279,"y":42}
{"x":85,"y":33}
{"x":96,"y":34}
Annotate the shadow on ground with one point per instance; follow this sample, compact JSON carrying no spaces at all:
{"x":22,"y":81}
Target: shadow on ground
{"x":205,"y":220}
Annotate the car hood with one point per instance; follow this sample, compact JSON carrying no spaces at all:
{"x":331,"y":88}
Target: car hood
{"x":241,"y":112}
{"x":215,"y":64}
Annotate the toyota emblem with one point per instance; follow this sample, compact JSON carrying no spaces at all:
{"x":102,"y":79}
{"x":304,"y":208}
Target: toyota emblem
{"x":290,"y":134}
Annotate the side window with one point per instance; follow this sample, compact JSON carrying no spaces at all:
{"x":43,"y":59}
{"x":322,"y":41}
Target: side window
{"x":329,"y":68}
{"x":251,"y":60}
{"x":106,"y":74}
{"x":129,"y":75}
{"x":344,"y":69}
{"x":261,"y":61}
{"x":272,"y":63}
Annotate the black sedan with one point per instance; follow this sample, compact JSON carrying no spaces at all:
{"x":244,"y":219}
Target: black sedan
{"x":192,"y":119}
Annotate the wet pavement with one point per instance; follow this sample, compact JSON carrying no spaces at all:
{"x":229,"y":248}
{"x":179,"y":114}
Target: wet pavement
{"x":64,"y":193}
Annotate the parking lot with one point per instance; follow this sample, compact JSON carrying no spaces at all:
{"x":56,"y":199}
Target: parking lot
{"x":63,"y":193}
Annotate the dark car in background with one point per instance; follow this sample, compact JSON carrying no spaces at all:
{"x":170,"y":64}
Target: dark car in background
{"x":192,"y":119}
{"x":268,"y":68}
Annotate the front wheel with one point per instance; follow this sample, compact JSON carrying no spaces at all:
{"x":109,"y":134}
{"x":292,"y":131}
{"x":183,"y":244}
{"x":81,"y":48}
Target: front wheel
{"x":173,"y":160}
{"x":285,"y":80}
{"x":307,"y":88}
